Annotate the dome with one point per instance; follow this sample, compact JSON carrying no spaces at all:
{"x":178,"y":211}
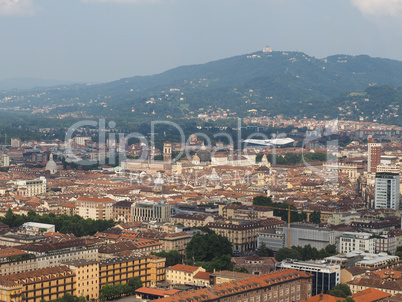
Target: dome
{"x":51,"y":166}
{"x":204,"y":155}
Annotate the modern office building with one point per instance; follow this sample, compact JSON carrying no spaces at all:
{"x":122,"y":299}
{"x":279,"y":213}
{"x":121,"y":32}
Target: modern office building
{"x":326,"y":275}
{"x":387,"y":191}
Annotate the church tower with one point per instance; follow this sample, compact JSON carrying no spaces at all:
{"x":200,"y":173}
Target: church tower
{"x":167,"y":152}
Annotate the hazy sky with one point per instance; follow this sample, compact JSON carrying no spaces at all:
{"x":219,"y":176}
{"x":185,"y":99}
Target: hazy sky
{"x":105,"y":40}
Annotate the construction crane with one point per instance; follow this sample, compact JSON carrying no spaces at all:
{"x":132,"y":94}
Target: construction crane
{"x":289,"y":210}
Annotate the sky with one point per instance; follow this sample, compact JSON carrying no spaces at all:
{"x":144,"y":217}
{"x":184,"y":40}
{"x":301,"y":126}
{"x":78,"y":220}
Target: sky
{"x":106,"y":40}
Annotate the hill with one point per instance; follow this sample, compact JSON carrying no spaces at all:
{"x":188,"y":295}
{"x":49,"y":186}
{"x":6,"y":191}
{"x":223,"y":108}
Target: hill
{"x":289,"y":83}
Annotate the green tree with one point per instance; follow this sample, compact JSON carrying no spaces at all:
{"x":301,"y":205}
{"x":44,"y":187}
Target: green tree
{"x":341,"y":290}
{"x":241,"y":269}
{"x":264,"y":251}
{"x":9,"y":218}
{"x":205,"y":247}
{"x":315,"y":217}
{"x":135,"y":283}
{"x":173,"y":257}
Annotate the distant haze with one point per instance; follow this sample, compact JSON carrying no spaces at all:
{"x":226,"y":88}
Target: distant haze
{"x":105,"y":40}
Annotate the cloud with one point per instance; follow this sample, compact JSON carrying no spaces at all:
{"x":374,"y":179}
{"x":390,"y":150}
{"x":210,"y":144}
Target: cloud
{"x":379,"y":7}
{"x":17,"y":8}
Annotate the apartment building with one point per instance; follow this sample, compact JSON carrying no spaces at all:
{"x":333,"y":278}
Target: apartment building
{"x":95,"y":208}
{"x":86,"y":278}
{"x":157,"y":269}
{"x":44,"y":284}
{"x":122,"y":211}
{"x":182,"y":274}
{"x":283,"y":286}
{"x":158,"y":212}
{"x":192,"y":220}
{"x":31,"y":187}
{"x":353,"y":241}
{"x":121,"y":269}
{"x":243,"y":234}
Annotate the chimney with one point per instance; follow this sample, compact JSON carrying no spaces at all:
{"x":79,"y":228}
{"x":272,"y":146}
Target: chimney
{"x":321,"y":297}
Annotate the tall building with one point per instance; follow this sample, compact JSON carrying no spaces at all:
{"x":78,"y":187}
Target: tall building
{"x":374,"y":156}
{"x":326,"y":275}
{"x":387,"y":191}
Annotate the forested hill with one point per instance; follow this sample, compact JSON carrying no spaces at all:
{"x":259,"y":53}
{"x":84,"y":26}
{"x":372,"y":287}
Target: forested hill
{"x":288,"y":83}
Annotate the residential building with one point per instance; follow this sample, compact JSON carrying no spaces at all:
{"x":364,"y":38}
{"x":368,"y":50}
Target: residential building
{"x":121,"y":269}
{"x":122,"y":211}
{"x":227,"y":276}
{"x":387,"y":191}
{"x":157,"y":269}
{"x":44,"y":284}
{"x":287,"y":285}
{"x":192,"y":220}
{"x":182,"y":274}
{"x":353,"y":241}
{"x":255,"y":264}
{"x":31,"y":187}
{"x":325,"y":275}
{"x":95,"y":208}
{"x":86,"y":279}
{"x":243,"y":234}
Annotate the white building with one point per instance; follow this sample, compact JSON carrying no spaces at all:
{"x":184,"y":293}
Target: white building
{"x":32,"y":187}
{"x":387,"y":191}
{"x":354,"y":241}
{"x":34,"y":228}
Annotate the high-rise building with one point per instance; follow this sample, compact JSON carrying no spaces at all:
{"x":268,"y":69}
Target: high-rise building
{"x":374,"y":156}
{"x":387,"y":191}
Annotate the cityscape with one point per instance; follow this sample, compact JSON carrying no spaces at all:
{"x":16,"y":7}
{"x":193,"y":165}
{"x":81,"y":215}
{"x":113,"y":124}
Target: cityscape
{"x":200,"y":151}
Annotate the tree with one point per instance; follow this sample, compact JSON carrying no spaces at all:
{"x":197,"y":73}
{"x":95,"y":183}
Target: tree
{"x":205,"y":247}
{"x":315,"y":217}
{"x":241,"y":269}
{"x":262,"y":201}
{"x":286,"y":253}
{"x":264,"y":251}
{"x":9,"y":218}
{"x":173,"y":257}
{"x":135,"y":283}
{"x":341,"y":290}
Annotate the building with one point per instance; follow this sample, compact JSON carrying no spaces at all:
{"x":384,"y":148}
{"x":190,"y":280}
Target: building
{"x":86,"y":278}
{"x":95,"y":208}
{"x":159,"y":212}
{"x":353,"y":241}
{"x":182,"y":274}
{"x":192,"y":220}
{"x":255,"y":264}
{"x":4,"y":160}
{"x":44,"y":284}
{"x":287,"y":285}
{"x":272,"y":238}
{"x":374,"y":156}
{"x":35,"y":228}
{"x":31,"y":187}
{"x":227,"y":276}
{"x":167,"y":152}
{"x":157,"y":269}
{"x":122,"y":211}
{"x":121,"y":269}
{"x":387,"y":191}
{"x":326,"y":275}
{"x":243,"y":234}
{"x":303,"y":234}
